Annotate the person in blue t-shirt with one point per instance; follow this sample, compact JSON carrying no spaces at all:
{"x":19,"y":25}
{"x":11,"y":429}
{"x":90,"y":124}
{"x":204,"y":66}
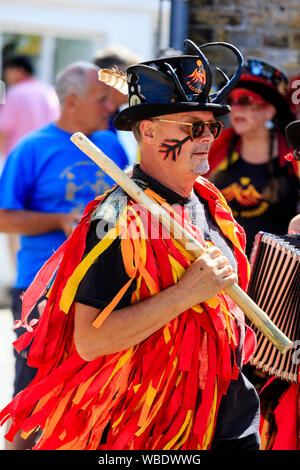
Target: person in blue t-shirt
{"x":47,"y":182}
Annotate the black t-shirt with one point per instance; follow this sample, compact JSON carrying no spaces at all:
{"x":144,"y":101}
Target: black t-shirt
{"x":106,"y":277}
{"x":239,"y":408}
{"x":262,"y":197}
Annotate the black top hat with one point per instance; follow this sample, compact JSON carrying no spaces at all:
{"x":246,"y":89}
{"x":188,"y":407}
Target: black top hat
{"x":176,"y":84}
{"x":270,"y":83}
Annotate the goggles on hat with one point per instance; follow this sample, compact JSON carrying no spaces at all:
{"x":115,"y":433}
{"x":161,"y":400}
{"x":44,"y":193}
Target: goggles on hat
{"x":197,"y":127}
{"x":246,"y":97}
{"x":244,"y":101}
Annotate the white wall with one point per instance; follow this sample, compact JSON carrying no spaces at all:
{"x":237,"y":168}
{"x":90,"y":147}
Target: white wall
{"x":129,"y":22}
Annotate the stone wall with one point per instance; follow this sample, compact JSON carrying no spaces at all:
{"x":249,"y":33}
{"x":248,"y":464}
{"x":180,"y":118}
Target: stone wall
{"x":269,"y":29}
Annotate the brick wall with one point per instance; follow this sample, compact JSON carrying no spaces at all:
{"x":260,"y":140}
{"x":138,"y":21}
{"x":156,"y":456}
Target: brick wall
{"x":269,"y":29}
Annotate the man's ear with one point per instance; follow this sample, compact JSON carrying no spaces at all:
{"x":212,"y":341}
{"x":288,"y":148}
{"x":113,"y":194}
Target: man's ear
{"x":147,"y":130}
{"x":71,"y":101}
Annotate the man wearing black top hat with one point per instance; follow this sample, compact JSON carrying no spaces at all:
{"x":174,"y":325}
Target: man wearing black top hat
{"x":159,"y":345}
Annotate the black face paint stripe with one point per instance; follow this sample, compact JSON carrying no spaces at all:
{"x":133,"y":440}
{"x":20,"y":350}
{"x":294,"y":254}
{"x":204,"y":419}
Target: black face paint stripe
{"x":174,"y":148}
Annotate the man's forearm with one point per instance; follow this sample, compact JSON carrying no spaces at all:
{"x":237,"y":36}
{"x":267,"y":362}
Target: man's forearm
{"x":127,"y":327}
{"x":29,"y":222}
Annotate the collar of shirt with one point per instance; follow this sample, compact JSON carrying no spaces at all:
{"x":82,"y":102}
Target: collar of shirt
{"x":170,"y":196}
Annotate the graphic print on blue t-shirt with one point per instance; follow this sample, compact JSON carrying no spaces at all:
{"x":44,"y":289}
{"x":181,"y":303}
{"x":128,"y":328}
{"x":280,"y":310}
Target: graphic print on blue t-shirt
{"x":80,"y":178}
{"x":46,"y":172}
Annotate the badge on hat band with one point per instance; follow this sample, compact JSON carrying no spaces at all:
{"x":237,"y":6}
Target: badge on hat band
{"x":197,"y":78}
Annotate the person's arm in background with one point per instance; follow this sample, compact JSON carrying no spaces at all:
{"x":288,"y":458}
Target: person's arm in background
{"x":26,"y":222}
{"x":8,"y":112}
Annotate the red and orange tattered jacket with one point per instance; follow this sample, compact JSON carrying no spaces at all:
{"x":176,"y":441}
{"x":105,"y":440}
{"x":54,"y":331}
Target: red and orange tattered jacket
{"x":163,"y":393}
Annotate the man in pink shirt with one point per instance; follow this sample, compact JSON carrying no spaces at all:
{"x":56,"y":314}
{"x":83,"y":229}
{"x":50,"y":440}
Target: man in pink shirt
{"x":29,"y":103}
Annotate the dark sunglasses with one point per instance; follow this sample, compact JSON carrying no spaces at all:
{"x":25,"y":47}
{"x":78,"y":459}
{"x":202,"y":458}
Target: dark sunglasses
{"x":244,"y":101}
{"x":197,"y":127}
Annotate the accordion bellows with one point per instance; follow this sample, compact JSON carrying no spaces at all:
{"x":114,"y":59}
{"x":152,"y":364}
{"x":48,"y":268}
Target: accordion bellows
{"x":274,"y":286}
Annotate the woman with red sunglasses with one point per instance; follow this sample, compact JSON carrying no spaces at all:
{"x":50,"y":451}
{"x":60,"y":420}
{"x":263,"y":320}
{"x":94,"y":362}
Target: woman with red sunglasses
{"x":261,"y":187}
{"x":247,"y":161}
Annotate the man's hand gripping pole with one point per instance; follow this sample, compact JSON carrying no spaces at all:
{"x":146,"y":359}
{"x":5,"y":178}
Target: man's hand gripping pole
{"x":254,"y":313}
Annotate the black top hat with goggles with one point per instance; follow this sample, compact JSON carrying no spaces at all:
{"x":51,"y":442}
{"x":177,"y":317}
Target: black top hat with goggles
{"x":177,"y":84}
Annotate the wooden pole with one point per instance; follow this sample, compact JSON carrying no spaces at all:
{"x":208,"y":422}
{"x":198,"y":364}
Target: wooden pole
{"x":254,"y":313}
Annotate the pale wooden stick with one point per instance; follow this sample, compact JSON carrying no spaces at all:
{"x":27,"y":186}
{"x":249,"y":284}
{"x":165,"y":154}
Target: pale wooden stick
{"x":255,"y":314}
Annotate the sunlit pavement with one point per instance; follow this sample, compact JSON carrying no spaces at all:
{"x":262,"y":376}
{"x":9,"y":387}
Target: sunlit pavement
{"x":7,"y":336}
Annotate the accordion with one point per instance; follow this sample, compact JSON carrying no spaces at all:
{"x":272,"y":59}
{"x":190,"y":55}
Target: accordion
{"x":274,"y":286}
